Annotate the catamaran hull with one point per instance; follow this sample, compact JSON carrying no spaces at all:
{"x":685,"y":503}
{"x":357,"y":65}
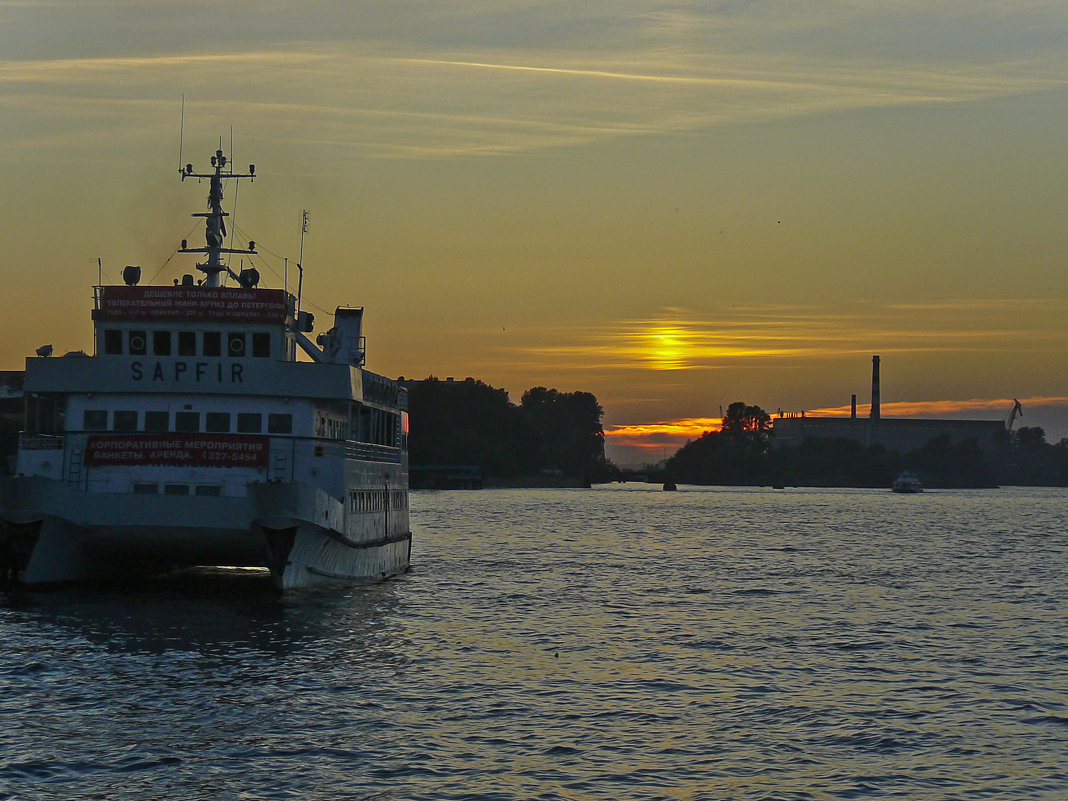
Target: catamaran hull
{"x":319,"y":558}
{"x":115,"y":536}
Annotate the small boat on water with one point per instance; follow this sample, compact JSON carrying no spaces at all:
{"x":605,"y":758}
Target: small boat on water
{"x":194,"y":436}
{"x":907,"y":482}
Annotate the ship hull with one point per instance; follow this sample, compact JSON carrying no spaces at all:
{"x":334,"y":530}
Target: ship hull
{"x":297,"y":531}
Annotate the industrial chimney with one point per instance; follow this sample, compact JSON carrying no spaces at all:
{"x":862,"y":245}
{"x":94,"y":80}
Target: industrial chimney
{"x":875,"y":401}
{"x":853,"y":408}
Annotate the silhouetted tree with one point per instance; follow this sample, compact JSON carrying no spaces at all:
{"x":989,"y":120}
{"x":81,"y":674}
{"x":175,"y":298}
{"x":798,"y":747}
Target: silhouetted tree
{"x":736,"y":455}
{"x":563,"y":430}
{"x":749,"y":421}
{"x":463,"y":422}
{"x":1029,"y":438}
{"x":470,"y":422}
{"x":733,"y":455}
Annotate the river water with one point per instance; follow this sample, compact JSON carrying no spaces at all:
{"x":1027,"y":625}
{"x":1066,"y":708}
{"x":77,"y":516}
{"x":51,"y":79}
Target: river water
{"x":613,"y":643}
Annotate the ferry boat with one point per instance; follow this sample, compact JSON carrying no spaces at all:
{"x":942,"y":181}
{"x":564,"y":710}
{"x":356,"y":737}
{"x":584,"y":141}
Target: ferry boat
{"x":907,"y":483}
{"x":195,"y":436}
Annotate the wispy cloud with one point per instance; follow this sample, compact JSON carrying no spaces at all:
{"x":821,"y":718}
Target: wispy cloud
{"x":681,"y":340}
{"x":579,"y":77}
{"x":65,"y":70}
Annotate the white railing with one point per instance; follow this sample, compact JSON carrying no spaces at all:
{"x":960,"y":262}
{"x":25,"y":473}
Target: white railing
{"x":40,"y":442}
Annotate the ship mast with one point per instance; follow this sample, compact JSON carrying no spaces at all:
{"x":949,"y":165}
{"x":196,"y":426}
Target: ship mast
{"x":214,"y":223}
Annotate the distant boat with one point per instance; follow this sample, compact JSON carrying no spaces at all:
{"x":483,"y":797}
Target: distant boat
{"x":907,"y":482}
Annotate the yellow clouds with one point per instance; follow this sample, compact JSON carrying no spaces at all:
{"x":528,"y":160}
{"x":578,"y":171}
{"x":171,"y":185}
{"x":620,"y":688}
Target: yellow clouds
{"x":750,"y":336}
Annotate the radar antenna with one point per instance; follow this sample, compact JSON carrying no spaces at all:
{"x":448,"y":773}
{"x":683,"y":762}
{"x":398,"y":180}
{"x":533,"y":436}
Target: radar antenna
{"x":214,"y":219}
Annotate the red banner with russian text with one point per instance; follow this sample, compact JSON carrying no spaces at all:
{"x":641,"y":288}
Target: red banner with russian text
{"x":177,"y":450}
{"x":192,"y":304}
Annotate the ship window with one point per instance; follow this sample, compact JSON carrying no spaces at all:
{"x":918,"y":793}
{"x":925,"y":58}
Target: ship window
{"x":210,"y":490}
{"x":187,"y":422}
{"x":157,"y":421}
{"x":142,"y":488}
{"x":175,"y":489}
{"x":187,"y":343}
{"x":161,"y":343}
{"x":364,"y":434}
{"x":137,"y":343}
{"x":125,"y":421}
{"x":95,"y":419}
{"x":212,"y":343}
{"x":261,"y":344}
{"x":279,"y":424}
{"x":249,"y":423}
{"x":112,"y":341}
{"x":217,"y":422}
{"x":235,"y":344}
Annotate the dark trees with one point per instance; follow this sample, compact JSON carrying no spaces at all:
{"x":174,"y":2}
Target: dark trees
{"x":736,"y":454}
{"x":470,"y":422}
{"x":742,"y":420}
{"x":740,"y":454}
{"x":563,"y":430}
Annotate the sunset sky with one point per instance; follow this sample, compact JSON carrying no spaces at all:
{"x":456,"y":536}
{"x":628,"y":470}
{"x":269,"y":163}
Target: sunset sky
{"x":673,"y":205}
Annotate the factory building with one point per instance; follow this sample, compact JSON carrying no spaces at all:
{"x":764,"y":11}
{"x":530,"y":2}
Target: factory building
{"x":895,"y":434}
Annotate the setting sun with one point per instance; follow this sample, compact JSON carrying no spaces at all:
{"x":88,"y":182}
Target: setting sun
{"x":666,"y":347}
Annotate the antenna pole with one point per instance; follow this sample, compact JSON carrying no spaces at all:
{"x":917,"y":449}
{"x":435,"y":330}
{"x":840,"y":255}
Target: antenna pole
{"x":215,"y":226}
{"x":300,"y":262}
{"x":181,"y":135}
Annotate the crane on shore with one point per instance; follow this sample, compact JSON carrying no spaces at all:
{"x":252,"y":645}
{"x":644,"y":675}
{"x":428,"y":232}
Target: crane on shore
{"x":1017,"y":411}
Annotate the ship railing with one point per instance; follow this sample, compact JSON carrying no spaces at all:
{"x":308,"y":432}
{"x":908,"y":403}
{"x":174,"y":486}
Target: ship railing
{"x":372,"y":453}
{"x":40,"y":442}
{"x":285,"y":451}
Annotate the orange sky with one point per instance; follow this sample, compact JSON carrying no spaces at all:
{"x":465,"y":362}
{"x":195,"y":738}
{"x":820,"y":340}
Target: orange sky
{"x":651,"y":442}
{"x":672,"y":206}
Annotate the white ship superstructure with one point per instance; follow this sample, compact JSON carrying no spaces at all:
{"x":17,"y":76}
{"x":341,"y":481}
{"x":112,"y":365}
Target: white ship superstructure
{"x":195,"y":436}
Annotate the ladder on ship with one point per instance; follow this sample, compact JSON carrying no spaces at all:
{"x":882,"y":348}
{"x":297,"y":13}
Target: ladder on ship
{"x":74,"y":468}
{"x":281,"y":468}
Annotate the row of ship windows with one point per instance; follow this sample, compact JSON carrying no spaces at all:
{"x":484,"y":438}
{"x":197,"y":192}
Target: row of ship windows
{"x":186,"y":422}
{"x":186,"y":343}
{"x":377,"y":500}
{"x":148,"y":488}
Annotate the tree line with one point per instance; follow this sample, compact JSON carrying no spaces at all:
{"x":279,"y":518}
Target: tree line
{"x":742,"y":453}
{"x":472,"y":423}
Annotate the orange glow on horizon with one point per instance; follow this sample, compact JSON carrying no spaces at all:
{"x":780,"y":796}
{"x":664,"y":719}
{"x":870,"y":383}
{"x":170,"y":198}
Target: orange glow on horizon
{"x":672,"y":433}
{"x":998,"y":406}
{"x":676,"y":433}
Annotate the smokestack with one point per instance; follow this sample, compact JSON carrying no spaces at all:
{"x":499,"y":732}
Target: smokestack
{"x":875,"y":401}
{"x":853,"y":409}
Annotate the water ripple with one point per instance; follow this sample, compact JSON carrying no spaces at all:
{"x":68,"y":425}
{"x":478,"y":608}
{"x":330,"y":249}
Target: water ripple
{"x":614,"y":643}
